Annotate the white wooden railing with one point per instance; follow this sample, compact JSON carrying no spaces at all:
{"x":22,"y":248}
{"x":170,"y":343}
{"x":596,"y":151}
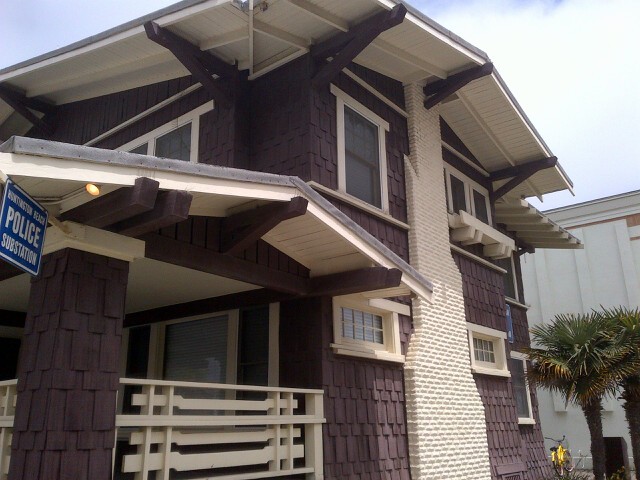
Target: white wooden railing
{"x":220,"y":431}
{"x":7,"y":411}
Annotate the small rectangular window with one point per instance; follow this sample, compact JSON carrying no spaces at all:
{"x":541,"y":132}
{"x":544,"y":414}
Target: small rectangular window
{"x":488,"y":351}
{"x":483,"y":350}
{"x":510,"y":289}
{"x":480,"y":206}
{"x":458,"y":195}
{"x":367,"y":327}
{"x":464,"y":194}
{"x":364,"y":326}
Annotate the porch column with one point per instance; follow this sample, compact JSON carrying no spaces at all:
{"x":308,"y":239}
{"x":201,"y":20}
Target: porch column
{"x":68,"y":370}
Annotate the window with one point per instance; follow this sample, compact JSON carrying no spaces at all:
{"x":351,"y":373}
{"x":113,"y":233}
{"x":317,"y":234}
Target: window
{"x":487,"y":347}
{"x":236,"y":347}
{"x":510,"y":281}
{"x":467,"y":195}
{"x":518,"y":368}
{"x":367,"y":327}
{"x":177,"y":139}
{"x":362,"y":157}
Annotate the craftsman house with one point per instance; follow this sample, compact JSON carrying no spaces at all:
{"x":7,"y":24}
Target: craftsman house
{"x":283,"y":241}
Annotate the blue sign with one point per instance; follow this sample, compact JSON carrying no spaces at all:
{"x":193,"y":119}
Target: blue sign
{"x":509,"y":325}
{"x":23,"y":223}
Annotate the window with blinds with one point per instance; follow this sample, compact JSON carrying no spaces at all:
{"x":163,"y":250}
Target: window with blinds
{"x":196,"y":350}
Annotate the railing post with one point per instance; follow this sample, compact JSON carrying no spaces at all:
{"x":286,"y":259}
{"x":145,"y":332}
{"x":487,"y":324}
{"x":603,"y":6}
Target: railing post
{"x":145,"y":446}
{"x":274,"y":465}
{"x":168,"y":431}
{"x":313,"y":453}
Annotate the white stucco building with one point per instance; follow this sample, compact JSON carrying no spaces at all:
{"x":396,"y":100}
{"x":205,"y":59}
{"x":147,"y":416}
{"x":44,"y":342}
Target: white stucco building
{"x":605,"y":273}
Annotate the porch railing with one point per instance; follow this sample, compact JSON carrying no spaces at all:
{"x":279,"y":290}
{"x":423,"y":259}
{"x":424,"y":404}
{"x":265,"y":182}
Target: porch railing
{"x":219,"y":431}
{"x":7,"y":412}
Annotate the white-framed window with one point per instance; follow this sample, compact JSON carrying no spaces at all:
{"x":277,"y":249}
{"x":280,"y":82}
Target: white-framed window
{"x":177,"y":139}
{"x":465,"y":194}
{"x":362,"y":152}
{"x":367,"y":328}
{"x":510,"y":280}
{"x":521,"y":393}
{"x":488,"y":351}
{"x":234,"y":347}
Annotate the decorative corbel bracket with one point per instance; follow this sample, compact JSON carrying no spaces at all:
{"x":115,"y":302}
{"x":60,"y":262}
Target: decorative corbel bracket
{"x":25,"y":106}
{"x":441,"y":89}
{"x":202,"y":65}
{"x":519,"y":174}
{"x":346,"y":46}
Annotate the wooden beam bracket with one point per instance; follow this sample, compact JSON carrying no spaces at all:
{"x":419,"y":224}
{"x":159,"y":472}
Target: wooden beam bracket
{"x":441,"y":89}
{"x":202,"y":65}
{"x":24,"y":106}
{"x":116,"y":206}
{"x":171,"y":207}
{"x":345,"y":46}
{"x":244,"y":229}
{"x":519,"y":174}
{"x":183,"y":254}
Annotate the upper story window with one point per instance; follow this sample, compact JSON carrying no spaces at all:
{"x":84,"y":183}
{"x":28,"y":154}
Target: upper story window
{"x":465,"y":194}
{"x":177,"y":139}
{"x":510,"y":280}
{"x":362,"y":157}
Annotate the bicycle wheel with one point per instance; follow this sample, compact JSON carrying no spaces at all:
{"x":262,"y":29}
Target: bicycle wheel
{"x":567,"y":464}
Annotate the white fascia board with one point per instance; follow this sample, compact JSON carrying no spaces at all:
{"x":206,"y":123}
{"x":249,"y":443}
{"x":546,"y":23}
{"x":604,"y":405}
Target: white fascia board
{"x":388,"y":4}
{"x":117,"y":36}
{"x":85,"y":171}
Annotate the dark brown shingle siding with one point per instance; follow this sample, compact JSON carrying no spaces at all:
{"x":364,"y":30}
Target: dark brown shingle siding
{"x":365,"y":436}
{"x":509,"y":443}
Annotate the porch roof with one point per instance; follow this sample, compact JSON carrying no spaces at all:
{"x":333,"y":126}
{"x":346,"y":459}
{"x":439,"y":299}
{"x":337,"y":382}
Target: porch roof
{"x":484,"y":113}
{"x":323,"y":239}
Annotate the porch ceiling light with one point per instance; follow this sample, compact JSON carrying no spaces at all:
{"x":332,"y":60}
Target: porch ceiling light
{"x":92,"y":189}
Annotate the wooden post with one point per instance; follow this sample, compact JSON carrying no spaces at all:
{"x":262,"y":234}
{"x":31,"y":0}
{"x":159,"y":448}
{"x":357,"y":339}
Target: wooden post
{"x":68,"y":369}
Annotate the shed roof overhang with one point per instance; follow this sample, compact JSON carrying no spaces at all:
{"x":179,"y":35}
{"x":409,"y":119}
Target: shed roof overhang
{"x":322,"y":238}
{"x":533,"y":228}
{"x":483,"y":113}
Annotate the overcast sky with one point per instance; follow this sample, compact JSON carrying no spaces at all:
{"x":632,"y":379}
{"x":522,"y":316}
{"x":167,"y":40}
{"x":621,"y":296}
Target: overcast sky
{"x":573,"y":65}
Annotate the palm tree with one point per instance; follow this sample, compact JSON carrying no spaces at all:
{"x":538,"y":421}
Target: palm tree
{"x":575,"y":358}
{"x":625,"y":331}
